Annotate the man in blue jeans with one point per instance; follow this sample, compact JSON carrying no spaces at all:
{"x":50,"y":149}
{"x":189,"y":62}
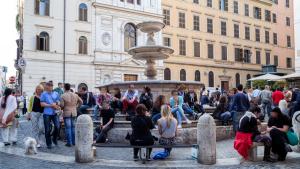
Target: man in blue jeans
{"x":239,"y":106}
{"x":50,"y":101}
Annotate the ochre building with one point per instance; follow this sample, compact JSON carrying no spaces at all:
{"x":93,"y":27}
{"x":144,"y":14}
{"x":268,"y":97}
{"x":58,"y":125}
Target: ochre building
{"x":225,"y":42}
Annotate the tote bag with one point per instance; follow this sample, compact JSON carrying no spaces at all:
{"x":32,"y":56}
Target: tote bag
{"x":292,"y":138}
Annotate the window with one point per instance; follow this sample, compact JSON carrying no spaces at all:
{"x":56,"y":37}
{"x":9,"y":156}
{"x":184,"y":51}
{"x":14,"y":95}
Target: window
{"x":181,"y":20}
{"x":196,"y":23}
{"x":209,"y":3}
{"x":42,"y":7}
{"x":246,"y":10}
{"x":167,"y":41}
{"x":82,"y":12}
{"x":237,"y":79}
{"x":82,"y":45}
{"x":236,"y":31}
{"x":182,"y":75}
{"x":274,"y":18}
{"x":268,"y":59}
{"x":247,"y":56}
{"x":247,"y":32}
{"x":267,"y":36}
{"x":257,"y":35}
{"x":275,"y":38}
{"x":130,"y":77}
{"x":197,"y":76}
{"x":257,"y":13}
{"x":258,"y":57}
{"x":130,"y":1}
{"x":182,"y":47}
{"x":166,"y":14}
{"x":224,"y":52}
{"x":223,"y":5}
{"x":289,"y":62}
{"x":197,"y":49}
{"x":238,"y":54}
{"x":167,"y":74}
{"x":138,"y":2}
{"x":288,"y":21}
{"x":248,"y":83}
{"x":236,"y":7}
{"x":288,"y":41}
{"x":196,"y":1}
{"x":209,"y":25}
{"x":223,"y":28}
{"x":287,"y":3}
{"x":267,"y":16}
{"x":275,"y":60}
{"x":129,"y":36}
{"x":210,"y":51}
{"x":275,"y":1}
{"x":42,"y":41}
{"x":211,"y":80}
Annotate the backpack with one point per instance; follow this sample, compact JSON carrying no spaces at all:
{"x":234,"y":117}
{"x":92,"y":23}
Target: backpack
{"x":160,"y":155}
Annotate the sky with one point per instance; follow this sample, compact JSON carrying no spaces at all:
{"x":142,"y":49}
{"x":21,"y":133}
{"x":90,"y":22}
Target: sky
{"x":9,"y":34}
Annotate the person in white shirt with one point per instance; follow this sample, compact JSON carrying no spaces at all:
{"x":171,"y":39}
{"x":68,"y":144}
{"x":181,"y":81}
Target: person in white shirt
{"x":283,"y":105}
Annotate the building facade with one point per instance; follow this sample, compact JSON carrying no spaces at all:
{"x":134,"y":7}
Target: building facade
{"x":225,"y":42}
{"x":297,"y":65}
{"x":83,"y":42}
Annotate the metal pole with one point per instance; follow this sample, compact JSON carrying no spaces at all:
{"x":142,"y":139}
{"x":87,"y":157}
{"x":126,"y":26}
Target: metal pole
{"x":64,"y":48}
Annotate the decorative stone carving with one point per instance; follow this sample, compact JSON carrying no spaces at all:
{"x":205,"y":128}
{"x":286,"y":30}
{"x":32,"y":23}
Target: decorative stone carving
{"x":106,"y":38}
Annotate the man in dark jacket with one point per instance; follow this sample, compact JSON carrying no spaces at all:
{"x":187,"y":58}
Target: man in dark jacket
{"x":88,"y":100}
{"x":239,"y":106}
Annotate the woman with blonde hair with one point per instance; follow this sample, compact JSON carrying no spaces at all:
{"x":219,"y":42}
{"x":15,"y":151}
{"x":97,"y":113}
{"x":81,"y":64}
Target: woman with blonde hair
{"x":35,"y":114}
{"x":167,"y":127}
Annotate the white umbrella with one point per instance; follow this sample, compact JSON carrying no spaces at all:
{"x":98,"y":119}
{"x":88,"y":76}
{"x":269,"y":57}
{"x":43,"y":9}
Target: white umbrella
{"x":268,"y":76}
{"x":291,"y":76}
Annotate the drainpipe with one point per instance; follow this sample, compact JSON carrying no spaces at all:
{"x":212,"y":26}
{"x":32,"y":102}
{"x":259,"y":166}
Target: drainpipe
{"x":64,"y":47}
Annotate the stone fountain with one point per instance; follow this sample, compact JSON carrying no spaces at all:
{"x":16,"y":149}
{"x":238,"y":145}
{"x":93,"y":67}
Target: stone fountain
{"x":150,"y":53}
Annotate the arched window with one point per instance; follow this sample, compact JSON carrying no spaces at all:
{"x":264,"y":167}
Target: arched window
{"x":182,"y":75}
{"x":167,"y":74}
{"x":211,"y":79}
{"x":248,"y":82}
{"x":197,"y":76}
{"x":83,"y":12}
{"x":237,"y":79}
{"x":42,"y":41}
{"x":42,"y":7}
{"x":248,"y":76}
{"x":82,"y":45}
{"x":129,"y":36}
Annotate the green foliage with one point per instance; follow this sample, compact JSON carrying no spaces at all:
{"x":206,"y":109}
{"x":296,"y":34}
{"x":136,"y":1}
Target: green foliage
{"x":260,"y":83}
{"x":279,"y":84}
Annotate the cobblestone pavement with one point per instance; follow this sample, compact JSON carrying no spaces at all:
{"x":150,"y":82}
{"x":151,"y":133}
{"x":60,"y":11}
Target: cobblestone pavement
{"x":123,"y":158}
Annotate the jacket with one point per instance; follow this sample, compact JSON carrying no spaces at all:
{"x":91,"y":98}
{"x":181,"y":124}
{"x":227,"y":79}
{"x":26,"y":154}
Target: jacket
{"x":243,"y":143}
{"x":69,"y":103}
{"x":240,"y":103}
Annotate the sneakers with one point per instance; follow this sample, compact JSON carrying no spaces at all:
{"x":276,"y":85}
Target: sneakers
{"x":179,"y":126}
{"x":38,"y":146}
{"x":6,"y":144}
{"x":269,"y":159}
{"x":68,"y":145}
{"x":14,"y":143}
{"x":188,"y":121}
{"x":135,"y":158}
{"x":288,"y":148}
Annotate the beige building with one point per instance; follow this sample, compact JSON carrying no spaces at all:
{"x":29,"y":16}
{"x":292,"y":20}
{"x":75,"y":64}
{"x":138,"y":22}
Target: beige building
{"x":225,"y":42}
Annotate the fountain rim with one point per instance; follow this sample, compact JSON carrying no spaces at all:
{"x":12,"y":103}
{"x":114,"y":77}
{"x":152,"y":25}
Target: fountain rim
{"x":141,"y":25}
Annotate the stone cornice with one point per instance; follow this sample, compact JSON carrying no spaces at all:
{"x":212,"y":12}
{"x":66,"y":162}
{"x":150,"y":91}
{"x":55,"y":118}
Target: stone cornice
{"x":132,"y":11}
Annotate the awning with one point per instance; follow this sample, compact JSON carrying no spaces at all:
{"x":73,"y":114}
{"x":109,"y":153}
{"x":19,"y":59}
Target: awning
{"x":291,"y":76}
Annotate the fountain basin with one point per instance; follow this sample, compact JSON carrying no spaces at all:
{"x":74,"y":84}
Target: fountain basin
{"x":150,"y":26}
{"x":154,"y":52}
{"x":158,"y":87}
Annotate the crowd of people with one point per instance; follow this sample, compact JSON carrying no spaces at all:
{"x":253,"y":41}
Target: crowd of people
{"x":48,"y":108}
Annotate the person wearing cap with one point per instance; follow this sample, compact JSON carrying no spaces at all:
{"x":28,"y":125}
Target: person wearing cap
{"x":50,"y":102}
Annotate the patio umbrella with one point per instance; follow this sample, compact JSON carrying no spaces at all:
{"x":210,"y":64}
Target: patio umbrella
{"x":291,"y":76}
{"x":268,"y":76}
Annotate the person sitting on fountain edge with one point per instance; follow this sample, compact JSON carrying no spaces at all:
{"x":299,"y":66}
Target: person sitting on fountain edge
{"x":130,"y":100}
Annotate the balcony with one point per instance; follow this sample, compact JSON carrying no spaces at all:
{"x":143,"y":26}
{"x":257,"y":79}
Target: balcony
{"x":265,"y":2}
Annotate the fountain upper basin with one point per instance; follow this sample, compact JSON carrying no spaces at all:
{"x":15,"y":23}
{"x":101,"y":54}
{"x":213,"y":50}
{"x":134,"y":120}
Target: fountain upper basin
{"x":155,"y":52}
{"x":150,"y":27}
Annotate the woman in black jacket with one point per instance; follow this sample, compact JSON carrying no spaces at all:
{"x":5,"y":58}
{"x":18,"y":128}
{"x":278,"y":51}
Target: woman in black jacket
{"x":146,"y":98}
{"x":141,"y":134}
{"x":222,"y":112}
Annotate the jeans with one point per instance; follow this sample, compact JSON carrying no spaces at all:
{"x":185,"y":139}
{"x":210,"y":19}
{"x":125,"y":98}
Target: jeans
{"x":225,"y":117}
{"x":187,"y":109}
{"x":83,"y":109}
{"x":47,"y":123}
{"x":266,"y":108}
{"x":156,"y":117}
{"x":236,"y":116}
{"x":70,"y":129}
{"x":178,"y":113}
{"x":101,"y":138}
{"x":37,"y":123}
{"x":96,"y":112}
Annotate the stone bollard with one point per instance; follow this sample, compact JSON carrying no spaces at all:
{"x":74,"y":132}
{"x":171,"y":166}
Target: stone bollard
{"x":84,"y":139}
{"x":206,"y":140}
